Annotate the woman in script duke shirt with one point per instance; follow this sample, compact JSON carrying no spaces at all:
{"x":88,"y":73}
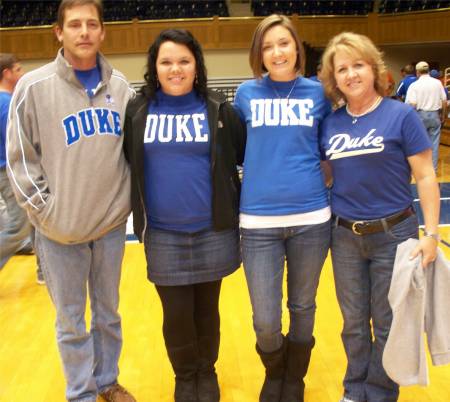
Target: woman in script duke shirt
{"x":284,"y":204}
{"x":373,"y":144}
{"x":183,"y":143}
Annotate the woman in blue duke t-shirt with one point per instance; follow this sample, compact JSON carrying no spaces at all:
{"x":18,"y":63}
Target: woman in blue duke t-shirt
{"x":184,"y":143}
{"x":284,"y":205}
{"x":373,"y":144}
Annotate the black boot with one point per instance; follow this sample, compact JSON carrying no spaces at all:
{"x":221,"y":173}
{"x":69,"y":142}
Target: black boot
{"x":207,"y":384}
{"x":275,"y":367}
{"x":297,"y":361}
{"x":184,"y":361}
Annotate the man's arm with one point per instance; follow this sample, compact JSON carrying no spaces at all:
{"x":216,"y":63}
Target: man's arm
{"x":401,"y":90}
{"x":428,"y":189}
{"x":411,"y":97}
{"x":23,"y":160}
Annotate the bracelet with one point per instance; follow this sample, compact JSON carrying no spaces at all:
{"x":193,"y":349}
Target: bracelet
{"x":434,"y":236}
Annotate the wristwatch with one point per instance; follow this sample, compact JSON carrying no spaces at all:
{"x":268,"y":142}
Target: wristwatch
{"x":435,"y":236}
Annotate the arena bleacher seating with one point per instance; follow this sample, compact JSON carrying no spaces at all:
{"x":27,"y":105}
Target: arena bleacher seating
{"x":16,"y":13}
{"x":27,"y":13}
{"x":263,"y":8}
{"x":396,"y":6}
{"x":35,"y":13}
{"x":352,"y":7}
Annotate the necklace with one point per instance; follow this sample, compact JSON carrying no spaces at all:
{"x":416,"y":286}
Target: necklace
{"x":372,"y":107}
{"x":276,"y":92}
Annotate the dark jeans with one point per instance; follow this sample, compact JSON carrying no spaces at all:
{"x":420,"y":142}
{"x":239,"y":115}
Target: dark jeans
{"x":363,"y":268}
{"x":190,"y":311}
{"x":264,"y":252}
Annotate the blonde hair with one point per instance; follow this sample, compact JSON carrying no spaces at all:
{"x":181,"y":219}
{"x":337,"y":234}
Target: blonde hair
{"x":359,"y":46}
{"x":256,"y":56}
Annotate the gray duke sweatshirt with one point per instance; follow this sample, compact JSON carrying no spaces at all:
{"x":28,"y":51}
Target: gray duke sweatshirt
{"x":64,"y":151}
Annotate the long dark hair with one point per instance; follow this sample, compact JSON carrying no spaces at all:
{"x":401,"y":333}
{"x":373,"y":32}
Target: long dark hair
{"x":182,"y":37}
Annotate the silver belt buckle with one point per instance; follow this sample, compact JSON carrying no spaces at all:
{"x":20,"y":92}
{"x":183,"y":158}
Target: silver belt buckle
{"x":355,"y":229}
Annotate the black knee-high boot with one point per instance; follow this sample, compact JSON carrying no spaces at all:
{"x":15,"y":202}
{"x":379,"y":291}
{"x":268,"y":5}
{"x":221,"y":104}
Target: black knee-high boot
{"x":298,"y":356}
{"x":274,"y":362}
{"x":184,"y":361}
{"x":207,"y":384}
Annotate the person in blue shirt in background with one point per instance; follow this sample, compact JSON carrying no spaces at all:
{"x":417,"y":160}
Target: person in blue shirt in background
{"x":409,"y":76}
{"x":438,"y":75}
{"x":184,"y":143}
{"x":373,"y":145}
{"x":316,"y":77}
{"x":284,"y":204}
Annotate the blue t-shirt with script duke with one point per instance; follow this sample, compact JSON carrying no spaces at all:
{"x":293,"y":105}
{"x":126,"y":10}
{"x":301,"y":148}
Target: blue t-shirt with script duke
{"x":369,"y":159}
{"x":177,"y":171}
{"x":89,"y":79}
{"x":282,"y":174}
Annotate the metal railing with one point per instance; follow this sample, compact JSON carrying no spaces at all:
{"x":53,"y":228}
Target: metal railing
{"x":447,"y":78}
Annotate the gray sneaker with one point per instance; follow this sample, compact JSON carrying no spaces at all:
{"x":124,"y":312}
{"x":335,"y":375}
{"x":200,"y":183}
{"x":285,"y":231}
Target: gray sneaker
{"x":344,"y":399}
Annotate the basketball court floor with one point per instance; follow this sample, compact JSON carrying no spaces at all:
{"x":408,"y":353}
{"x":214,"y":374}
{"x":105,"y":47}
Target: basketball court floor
{"x":30,"y":368}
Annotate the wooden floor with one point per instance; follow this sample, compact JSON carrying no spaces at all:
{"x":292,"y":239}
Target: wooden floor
{"x":30,"y":369}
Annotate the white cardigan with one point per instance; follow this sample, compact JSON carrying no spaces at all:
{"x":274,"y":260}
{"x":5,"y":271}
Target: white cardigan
{"x":420,"y":302}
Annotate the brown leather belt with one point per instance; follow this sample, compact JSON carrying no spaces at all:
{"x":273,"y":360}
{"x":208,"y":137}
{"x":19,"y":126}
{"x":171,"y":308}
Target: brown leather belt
{"x":376,"y":225}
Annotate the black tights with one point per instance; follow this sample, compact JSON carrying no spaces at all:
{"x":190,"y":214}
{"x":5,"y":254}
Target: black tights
{"x":190,"y":312}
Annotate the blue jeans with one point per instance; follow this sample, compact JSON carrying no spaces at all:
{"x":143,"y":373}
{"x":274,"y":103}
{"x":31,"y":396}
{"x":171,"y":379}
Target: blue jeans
{"x":363,"y":268}
{"x":432,"y":123}
{"x":15,"y":230}
{"x":264,"y":252}
{"x":90,"y":360}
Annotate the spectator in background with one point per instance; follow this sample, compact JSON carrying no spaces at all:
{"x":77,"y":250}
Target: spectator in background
{"x":408,"y":78}
{"x":438,"y":75}
{"x":15,"y":229}
{"x":317,"y":76}
{"x":390,"y":84}
{"x":427,"y":95}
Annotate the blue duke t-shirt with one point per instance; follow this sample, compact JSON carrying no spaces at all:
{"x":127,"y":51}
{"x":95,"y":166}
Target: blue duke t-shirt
{"x":369,"y":159}
{"x":282,"y":174}
{"x":177,"y":172}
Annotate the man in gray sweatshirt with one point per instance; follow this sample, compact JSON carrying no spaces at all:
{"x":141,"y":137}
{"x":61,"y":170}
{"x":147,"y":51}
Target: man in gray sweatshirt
{"x":67,"y":169}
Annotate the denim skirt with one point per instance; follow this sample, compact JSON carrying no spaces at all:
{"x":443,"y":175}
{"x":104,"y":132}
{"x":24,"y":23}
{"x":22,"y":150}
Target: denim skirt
{"x":177,"y":258}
